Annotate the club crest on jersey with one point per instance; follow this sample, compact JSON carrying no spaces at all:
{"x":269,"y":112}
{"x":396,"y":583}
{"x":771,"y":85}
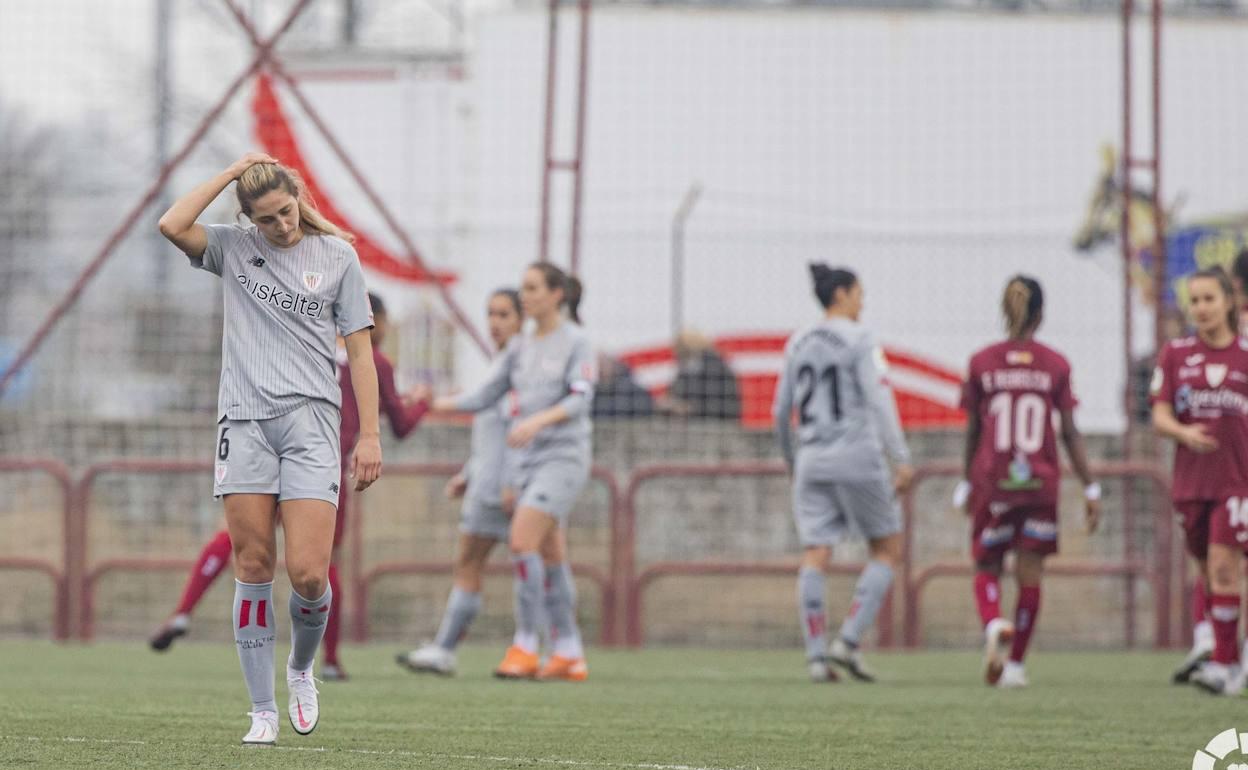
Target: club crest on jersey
{"x":312,"y":280}
{"x":222,"y":471}
{"x":1215,"y":374}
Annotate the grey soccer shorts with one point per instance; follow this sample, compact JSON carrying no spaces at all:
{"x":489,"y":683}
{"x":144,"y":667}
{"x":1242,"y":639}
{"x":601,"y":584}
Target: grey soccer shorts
{"x":484,"y":520}
{"x":825,"y":510}
{"x":552,"y":487}
{"x":294,"y":456}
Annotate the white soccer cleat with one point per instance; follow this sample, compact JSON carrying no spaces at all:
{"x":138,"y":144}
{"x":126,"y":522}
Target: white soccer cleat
{"x":1218,"y":679}
{"x":821,"y":672}
{"x":428,"y":659}
{"x":850,"y":659}
{"x":998,"y":637}
{"x":304,"y":706}
{"x":1012,"y":676}
{"x":263,"y":730}
{"x":1202,"y":650}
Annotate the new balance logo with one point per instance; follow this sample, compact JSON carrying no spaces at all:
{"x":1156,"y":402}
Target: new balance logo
{"x":244,"y":613}
{"x":334,"y":487}
{"x":256,"y":261}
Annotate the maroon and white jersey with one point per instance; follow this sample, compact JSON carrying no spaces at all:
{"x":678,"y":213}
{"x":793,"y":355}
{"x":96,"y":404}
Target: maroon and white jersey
{"x":1017,"y":388}
{"x":1209,"y":386}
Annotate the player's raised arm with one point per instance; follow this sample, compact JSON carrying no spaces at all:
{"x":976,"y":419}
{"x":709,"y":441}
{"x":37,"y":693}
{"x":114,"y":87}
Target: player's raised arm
{"x":179,"y":224}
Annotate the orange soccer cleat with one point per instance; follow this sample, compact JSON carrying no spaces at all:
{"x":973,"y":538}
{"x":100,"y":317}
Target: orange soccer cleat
{"x":567,"y":669}
{"x":517,"y":664}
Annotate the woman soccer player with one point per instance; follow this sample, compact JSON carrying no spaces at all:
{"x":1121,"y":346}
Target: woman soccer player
{"x":1012,"y":391}
{"x":1200,"y":399}
{"x":292,"y":282}
{"x":846,"y":420}
{"x":483,"y":522}
{"x":552,"y":372}
{"x":404,"y":412}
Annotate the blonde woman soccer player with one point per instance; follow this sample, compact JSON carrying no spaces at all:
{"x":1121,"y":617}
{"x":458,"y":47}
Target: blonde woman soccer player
{"x":551,"y":369}
{"x":292,"y":282}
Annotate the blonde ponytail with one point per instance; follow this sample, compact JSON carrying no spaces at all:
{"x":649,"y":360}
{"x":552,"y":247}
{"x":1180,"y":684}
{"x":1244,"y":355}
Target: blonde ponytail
{"x":263,"y":178}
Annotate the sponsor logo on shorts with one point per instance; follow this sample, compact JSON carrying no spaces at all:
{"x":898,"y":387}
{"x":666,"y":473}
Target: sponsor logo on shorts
{"x":541,"y":498}
{"x":998,"y":509}
{"x":1040,"y":530}
{"x":996,"y":535}
{"x":1219,"y":748}
{"x":334,"y":487}
{"x":223,"y":470}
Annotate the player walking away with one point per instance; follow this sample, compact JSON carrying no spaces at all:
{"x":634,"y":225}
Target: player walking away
{"x":483,"y":522}
{"x":834,"y":374}
{"x":1012,"y":391}
{"x":404,"y":413}
{"x":1200,"y":399}
{"x":292,"y":281}
{"x":551,"y":369}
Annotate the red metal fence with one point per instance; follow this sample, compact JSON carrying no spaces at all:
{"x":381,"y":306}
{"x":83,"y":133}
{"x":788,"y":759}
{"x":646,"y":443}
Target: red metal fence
{"x":621,"y":583}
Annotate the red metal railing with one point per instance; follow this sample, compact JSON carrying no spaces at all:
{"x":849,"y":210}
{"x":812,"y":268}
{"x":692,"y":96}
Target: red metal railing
{"x":634,"y":584}
{"x":61,"y":612}
{"x":1131,"y":567}
{"x":91,"y":574}
{"x":622,"y":585}
{"x":362,"y":579}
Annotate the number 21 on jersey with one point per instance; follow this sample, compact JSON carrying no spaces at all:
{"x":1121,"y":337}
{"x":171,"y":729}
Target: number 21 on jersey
{"x":1019,"y":422}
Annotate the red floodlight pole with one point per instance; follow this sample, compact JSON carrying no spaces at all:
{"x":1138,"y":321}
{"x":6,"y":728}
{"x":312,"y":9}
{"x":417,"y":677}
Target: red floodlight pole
{"x":575,"y":164}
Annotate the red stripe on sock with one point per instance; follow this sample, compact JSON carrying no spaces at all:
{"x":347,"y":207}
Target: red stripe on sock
{"x":244,"y":614}
{"x":262,"y":614}
{"x":816,"y":623}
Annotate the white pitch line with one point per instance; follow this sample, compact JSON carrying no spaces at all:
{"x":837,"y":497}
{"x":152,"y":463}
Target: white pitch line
{"x":401,"y":753}
{"x":509,"y":760}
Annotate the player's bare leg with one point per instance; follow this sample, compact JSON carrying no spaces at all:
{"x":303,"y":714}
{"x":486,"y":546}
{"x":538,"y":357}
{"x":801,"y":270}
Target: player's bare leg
{"x":1222,"y":675}
{"x":438,"y":656}
{"x":252,"y":524}
{"x":309,"y":528}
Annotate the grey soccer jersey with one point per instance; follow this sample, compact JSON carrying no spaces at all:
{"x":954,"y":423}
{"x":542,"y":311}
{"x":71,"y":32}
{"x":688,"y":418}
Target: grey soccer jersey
{"x":484,"y":470}
{"x":555,"y":370}
{"x":283,"y":308}
{"x":834,"y":375}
